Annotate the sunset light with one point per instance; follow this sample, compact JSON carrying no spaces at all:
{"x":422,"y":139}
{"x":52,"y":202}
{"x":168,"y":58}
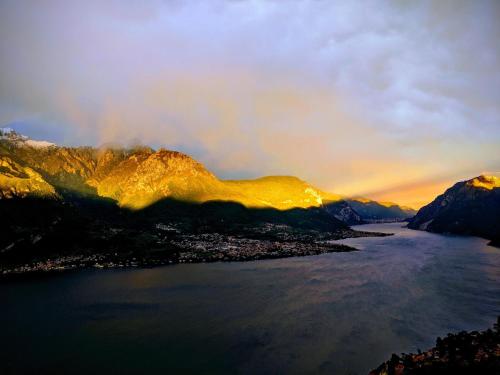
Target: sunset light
{"x":250,"y":187}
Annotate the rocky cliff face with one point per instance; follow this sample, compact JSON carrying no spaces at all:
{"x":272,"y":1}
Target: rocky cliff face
{"x":469,"y":207}
{"x":343,"y":211}
{"x":136,"y":178}
{"x":19,"y":181}
{"x":65,"y":168}
{"x":139,"y":177}
{"x":146,"y":177}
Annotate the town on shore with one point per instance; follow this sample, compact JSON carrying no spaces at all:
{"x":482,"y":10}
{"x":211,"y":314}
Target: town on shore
{"x":268,"y":241}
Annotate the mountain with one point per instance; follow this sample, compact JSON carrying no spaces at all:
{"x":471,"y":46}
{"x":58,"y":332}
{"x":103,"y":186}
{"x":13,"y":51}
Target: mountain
{"x":281,"y":192}
{"x":145,"y":177}
{"x":137,"y":177}
{"x":372,"y":211}
{"x":343,"y":211}
{"x":16,"y":180}
{"x":67,"y":207}
{"x":469,"y":207}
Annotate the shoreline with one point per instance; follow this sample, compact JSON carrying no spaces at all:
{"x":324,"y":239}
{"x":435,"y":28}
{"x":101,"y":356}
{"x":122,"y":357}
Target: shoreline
{"x":202,"y":248}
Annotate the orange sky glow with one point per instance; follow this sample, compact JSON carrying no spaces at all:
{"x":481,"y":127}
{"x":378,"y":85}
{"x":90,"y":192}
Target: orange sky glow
{"x":380,"y":100}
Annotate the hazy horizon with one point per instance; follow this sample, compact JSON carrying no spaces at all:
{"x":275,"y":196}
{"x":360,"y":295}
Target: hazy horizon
{"x":394,"y":101}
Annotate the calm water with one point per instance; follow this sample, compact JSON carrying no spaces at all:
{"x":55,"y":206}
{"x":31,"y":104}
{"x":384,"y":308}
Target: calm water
{"x":336,"y":313}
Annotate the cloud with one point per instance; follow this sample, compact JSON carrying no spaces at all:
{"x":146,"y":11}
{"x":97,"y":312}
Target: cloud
{"x":356,"y":97}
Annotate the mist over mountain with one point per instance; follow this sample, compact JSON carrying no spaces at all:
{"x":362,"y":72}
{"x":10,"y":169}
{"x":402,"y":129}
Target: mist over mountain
{"x":137,"y":177}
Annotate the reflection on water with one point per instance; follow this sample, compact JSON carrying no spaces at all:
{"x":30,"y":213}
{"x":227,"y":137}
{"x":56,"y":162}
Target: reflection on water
{"x":333,"y":313}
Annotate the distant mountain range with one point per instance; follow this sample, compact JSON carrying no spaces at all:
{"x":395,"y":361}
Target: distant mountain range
{"x":469,"y":207}
{"x":138,"y":177}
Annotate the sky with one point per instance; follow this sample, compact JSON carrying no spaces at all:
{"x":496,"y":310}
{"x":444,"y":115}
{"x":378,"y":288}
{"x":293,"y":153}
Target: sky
{"x":394,"y":100}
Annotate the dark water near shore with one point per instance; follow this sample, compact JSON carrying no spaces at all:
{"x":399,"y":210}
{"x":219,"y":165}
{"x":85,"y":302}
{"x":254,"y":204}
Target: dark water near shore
{"x":340,"y":313}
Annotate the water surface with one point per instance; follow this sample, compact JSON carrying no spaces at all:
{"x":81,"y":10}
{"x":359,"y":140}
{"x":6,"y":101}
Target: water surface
{"x":340,"y":313}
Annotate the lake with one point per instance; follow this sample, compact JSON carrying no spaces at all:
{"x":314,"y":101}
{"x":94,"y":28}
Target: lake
{"x":338,"y":313}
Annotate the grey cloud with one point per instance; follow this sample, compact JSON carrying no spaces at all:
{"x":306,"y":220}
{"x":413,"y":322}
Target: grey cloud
{"x":417,"y":82}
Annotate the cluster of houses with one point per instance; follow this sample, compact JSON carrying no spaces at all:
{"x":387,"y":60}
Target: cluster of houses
{"x":216,"y":247}
{"x":268,"y":241}
{"x":465,"y":352}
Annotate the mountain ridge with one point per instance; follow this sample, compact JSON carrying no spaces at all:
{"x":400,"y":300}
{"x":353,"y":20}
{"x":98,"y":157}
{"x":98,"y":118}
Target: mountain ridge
{"x":470,"y":207}
{"x":139,"y":176}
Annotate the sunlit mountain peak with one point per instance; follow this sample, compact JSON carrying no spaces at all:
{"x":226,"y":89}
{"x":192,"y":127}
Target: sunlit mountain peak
{"x":486,"y":182}
{"x":22,"y":140}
